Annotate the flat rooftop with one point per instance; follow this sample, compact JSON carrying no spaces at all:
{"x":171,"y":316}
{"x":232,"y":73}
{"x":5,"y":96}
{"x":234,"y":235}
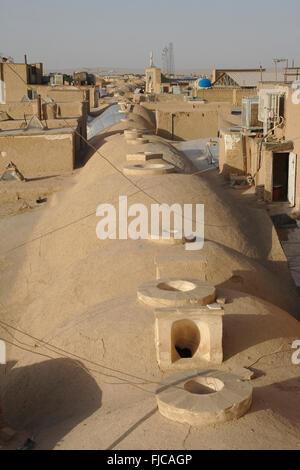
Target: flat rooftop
{"x":24,"y":132}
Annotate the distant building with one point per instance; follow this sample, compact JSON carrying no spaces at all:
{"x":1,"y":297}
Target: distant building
{"x":56,"y":79}
{"x":251,"y":78}
{"x":153,"y":80}
{"x":83,"y":78}
{"x":217,"y":73}
{"x":14,"y":79}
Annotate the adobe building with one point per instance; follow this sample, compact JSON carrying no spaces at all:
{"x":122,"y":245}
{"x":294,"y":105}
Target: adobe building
{"x":22,"y":96}
{"x":153,"y":80}
{"x":157,"y":83}
{"x":233,"y":84}
{"x":231,"y":94}
{"x":39,"y":152}
{"x":14,"y":79}
{"x":66,"y":114}
{"x":266,"y":146}
{"x":68,"y":94}
{"x":243,"y":77}
{"x":246,"y":79}
{"x":188,"y":120}
{"x":18,"y":81}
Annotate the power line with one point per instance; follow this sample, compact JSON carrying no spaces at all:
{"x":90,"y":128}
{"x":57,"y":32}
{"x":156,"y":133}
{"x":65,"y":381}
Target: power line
{"x":77,"y":364}
{"x":62,"y":352}
{"x":112,"y":165}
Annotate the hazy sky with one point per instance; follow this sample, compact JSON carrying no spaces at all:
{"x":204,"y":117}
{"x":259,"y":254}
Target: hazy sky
{"x":118,"y":33}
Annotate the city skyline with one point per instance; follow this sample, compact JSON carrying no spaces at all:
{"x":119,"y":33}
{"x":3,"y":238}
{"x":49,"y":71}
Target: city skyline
{"x":119,"y":35}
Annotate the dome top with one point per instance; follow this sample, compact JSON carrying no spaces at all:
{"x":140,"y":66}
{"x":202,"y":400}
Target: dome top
{"x":204,"y":83}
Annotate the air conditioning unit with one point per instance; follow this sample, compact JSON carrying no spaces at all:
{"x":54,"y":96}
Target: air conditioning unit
{"x":269,"y":108}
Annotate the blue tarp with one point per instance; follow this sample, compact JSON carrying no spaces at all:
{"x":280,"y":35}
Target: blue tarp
{"x":199,"y":153}
{"x":107,"y":119}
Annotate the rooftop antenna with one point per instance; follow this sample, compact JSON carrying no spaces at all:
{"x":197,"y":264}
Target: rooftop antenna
{"x":277,"y":61}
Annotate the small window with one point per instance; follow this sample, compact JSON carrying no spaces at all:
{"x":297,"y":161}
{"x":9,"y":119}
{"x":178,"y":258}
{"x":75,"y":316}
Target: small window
{"x":32,"y":94}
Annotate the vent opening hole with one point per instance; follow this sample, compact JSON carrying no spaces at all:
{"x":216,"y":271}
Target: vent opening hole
{"x":203,"y":386}
{"x":185,"y":340}
{"x":177,"y":286}
{"x":183,"y":353}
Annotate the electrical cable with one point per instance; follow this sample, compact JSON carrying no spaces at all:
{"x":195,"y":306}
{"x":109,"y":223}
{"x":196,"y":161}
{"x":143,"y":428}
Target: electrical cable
{"x":117,"y":169}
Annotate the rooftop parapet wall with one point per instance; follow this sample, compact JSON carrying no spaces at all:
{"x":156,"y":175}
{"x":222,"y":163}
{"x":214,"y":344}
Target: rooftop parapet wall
{"x":67,"y":94}
{"x":77,"y":124}
{"x":72,"y":109}
{"x":197,"y":123}
{"x":39,"y":154}
{"x":232,"y":95}
{"x":18,"y":88}
{"x":169,"y":97}
{"x":17,"y":110}
{"x":51,"y":123}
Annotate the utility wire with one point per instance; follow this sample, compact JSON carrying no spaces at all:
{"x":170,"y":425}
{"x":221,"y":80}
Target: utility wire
{"x":71,"y":223}
{"x":111,"y":164}
{"x":62,"y":352}
{"x":46,"y":345}
{"x":85,"y":369}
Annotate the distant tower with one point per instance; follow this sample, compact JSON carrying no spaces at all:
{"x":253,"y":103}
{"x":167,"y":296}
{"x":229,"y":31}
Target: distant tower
{"x":167,"y":57}
{"x":164,"y":59}
{"x":171,"y":59}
